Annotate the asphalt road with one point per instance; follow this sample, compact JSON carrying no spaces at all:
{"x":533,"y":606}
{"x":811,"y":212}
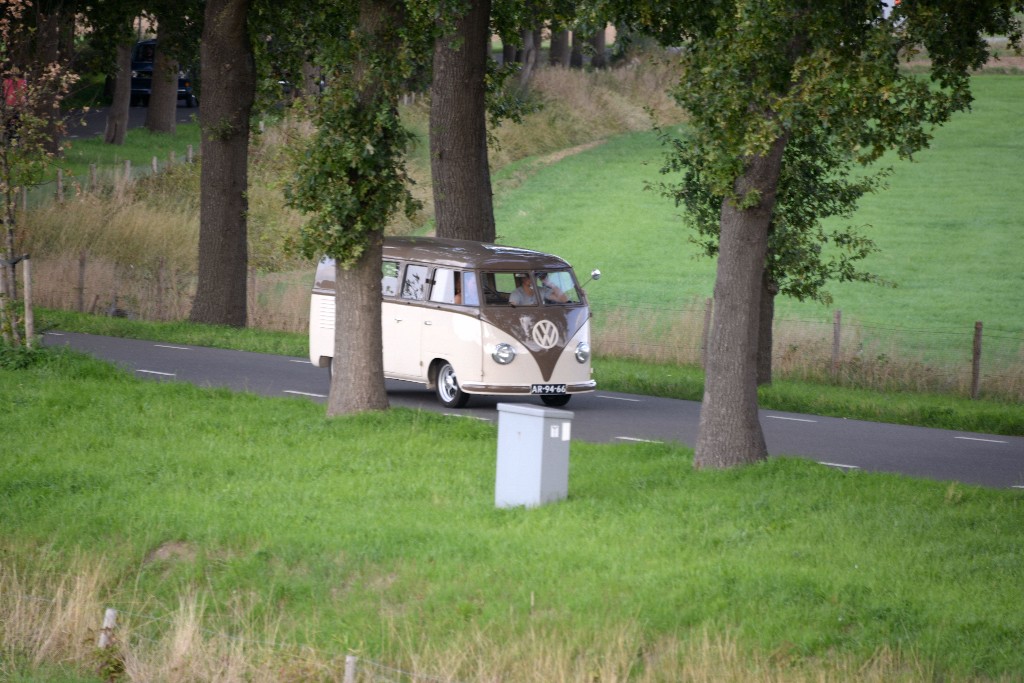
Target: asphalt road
{"x":602,"y":417}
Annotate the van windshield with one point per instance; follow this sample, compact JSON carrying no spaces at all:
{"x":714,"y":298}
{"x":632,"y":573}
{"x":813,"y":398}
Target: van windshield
{"x":551,"y":287}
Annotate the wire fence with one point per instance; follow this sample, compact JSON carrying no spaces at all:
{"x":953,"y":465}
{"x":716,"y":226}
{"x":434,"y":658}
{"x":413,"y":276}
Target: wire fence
{"x":979,"y":361}
{"x":967,"y":362}
{"x":98,"y":180}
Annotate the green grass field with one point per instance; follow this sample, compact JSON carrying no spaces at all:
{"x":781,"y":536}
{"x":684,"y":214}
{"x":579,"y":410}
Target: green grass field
{"x":949,"y":226}
{"x":290,"y":528}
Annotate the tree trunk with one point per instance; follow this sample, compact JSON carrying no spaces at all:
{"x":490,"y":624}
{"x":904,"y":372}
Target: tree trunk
{"x":508,"y":50}
{"x":529,"y":58}
{"x":117,"y":114}
{"x":310,"y":82}
{"x":163,"y":98}
{"x":730,"y":431}
{"x":576,"y":55}
{"x":559,"y":53}
{"x":599,"y":42}
{"x":357,"y":372}
{"x":357,"y":377}
{"x":230,"y":74}
{"x":463,"y":204}
{"x":769,"y":290}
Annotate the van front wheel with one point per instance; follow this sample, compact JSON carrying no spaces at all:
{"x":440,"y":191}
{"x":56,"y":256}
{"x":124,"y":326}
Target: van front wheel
{"x":555,"y":401}
{"x":447,"y":387}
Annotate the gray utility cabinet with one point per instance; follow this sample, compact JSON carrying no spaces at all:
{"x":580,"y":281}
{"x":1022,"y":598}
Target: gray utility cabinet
{"x":533,"y":455}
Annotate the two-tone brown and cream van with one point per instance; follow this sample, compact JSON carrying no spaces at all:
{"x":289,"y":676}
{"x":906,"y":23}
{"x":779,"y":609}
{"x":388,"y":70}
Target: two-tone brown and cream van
{"x":470,"y":318}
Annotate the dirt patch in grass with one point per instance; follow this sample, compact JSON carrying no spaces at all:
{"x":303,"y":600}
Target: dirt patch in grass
{"x":172,"y":550}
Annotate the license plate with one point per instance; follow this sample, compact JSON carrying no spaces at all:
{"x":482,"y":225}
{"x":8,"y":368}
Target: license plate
{"x":547,"y":389}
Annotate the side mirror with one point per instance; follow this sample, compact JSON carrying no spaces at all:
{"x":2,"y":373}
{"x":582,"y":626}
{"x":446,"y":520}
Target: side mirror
{"x":594,"y":275}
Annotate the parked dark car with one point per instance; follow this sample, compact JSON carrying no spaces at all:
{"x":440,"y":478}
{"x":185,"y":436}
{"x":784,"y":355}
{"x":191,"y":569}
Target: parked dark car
{"x":142,"y":76}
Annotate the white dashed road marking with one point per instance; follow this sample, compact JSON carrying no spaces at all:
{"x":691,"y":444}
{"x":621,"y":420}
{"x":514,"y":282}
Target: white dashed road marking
{"x":154,"y":372}
{"x":840,"y":466}
{"x":968,"y":438}
{"x":630,"y":438}
{"x":304,"y":393}
{"x":619,"y":398}
{"x":791,"y":419}
{"x":176,"y":348}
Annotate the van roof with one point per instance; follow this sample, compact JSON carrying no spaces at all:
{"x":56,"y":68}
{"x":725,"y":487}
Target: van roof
{"x":468,"y":254}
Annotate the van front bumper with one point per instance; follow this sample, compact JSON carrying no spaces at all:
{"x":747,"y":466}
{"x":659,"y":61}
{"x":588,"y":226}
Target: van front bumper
{"x":524,"y":389}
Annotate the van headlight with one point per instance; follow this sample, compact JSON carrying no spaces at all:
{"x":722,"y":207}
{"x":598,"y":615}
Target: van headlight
{"x":583,"y":352}
{"x":503,"y":354}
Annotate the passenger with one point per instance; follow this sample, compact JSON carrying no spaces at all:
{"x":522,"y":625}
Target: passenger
{"x":523,"y":294}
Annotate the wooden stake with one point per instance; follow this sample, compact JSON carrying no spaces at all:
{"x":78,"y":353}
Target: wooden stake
{"x":107,"y":632}
{"x":976,"y":362}
{"x":350,"y":668}
{"x":837,"y":328}
{"x":30,"y":320}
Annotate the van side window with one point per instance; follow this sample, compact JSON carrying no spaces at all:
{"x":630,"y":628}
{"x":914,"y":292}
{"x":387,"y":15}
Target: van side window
{"x":414,"y":286}
{"x":470,"y":293}
{"x":389,"y":278}
{"x":454,"y":287}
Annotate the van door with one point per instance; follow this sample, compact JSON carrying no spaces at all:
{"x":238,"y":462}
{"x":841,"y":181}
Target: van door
{"x":451,"y":326}
{"x":402,"y":322}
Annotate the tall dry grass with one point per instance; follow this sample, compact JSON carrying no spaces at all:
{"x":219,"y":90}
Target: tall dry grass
{"x":56,"y":618}
{"x":578,"y":107}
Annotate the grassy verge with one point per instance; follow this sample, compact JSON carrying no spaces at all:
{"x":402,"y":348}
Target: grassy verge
{"x":616,"y":374}
{"x":140,"y":146}
{"x":378,"y":534}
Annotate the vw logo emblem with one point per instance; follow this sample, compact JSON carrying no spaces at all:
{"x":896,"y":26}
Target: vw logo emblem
{"x":545,"y":334}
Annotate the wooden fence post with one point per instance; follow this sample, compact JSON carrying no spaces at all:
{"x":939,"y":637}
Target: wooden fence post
{"x":160,"y":267}
{"x":30,"y":320}
{"x":155,"y":165}
{"x":350,"y":669}
{"x":976,"y":362}
{"x":127,"y":170}
{"x":170,"y":158}
{"x":705,"y":334}
{"x":188,"y":154}
{"x":60,"y":186}
{"x":837,"y":329}
{"x":107,"y":632}
{"x":92,"y":178}
{"x":81,"y":281}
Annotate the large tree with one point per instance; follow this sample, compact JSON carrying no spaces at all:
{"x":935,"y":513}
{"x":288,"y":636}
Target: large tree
{"x":758,"y":75}
{"x":228,"y":68}
{"x":351,"y":179}
{"x":463,"y":206}
{"x":803,"y":255}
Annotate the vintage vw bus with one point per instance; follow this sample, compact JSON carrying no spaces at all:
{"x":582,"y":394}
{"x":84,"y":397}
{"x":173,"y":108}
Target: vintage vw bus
{"x":470,"y":318}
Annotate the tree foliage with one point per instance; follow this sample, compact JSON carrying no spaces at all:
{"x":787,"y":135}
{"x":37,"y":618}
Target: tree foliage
{"x":351,"y":175}
{"x":30,"y":102}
